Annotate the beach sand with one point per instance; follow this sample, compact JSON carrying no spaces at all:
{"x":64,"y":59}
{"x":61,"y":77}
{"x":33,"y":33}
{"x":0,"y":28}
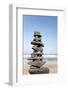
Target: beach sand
{"x":51,"y":64}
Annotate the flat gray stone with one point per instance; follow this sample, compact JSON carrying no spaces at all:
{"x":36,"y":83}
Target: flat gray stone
{"x":37,"y":53}
{"x":36,"y":48}
{"x":43,"y":70}
{"x":37,"y":34}
{"x":37,"y":39}
{"x":37,"y":43}
{"x":35,"y":58}
{"x":37,"y":64}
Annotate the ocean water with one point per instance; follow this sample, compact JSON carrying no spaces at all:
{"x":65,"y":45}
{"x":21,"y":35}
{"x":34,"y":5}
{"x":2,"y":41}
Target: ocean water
{"x":46,"y":57}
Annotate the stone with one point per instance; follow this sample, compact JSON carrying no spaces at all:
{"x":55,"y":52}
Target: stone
{"x":35,"y":58}
{"x":36,"y":48}
{"x":37,"y":34}
{"x":43,"y":70}
{"x":37,"y":39}
{"x":37,"y":53}
{"x":37,"y":63}
{"x":37,"y":43}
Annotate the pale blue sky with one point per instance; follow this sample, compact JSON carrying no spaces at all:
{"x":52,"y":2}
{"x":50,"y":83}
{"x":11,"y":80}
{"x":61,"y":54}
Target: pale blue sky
{"x":47,"y":26}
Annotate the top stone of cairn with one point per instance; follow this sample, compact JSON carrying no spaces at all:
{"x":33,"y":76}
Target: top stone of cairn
{"x":37,"y":34}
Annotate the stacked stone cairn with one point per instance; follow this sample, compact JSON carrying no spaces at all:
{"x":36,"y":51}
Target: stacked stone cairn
{"x":36,"y":60}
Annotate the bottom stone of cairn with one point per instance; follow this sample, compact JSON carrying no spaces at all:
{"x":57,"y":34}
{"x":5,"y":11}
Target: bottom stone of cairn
{"x":42,"y":70}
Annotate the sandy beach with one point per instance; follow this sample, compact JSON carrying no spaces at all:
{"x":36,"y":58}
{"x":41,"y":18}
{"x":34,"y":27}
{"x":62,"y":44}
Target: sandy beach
{"x":51,"y":64}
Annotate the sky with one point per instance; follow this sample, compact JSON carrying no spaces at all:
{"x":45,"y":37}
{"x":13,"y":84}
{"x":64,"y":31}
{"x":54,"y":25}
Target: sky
{"x":47,"y":26}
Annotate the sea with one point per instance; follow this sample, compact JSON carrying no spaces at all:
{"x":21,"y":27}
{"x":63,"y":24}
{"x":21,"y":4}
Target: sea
{"x":50,"y":57}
